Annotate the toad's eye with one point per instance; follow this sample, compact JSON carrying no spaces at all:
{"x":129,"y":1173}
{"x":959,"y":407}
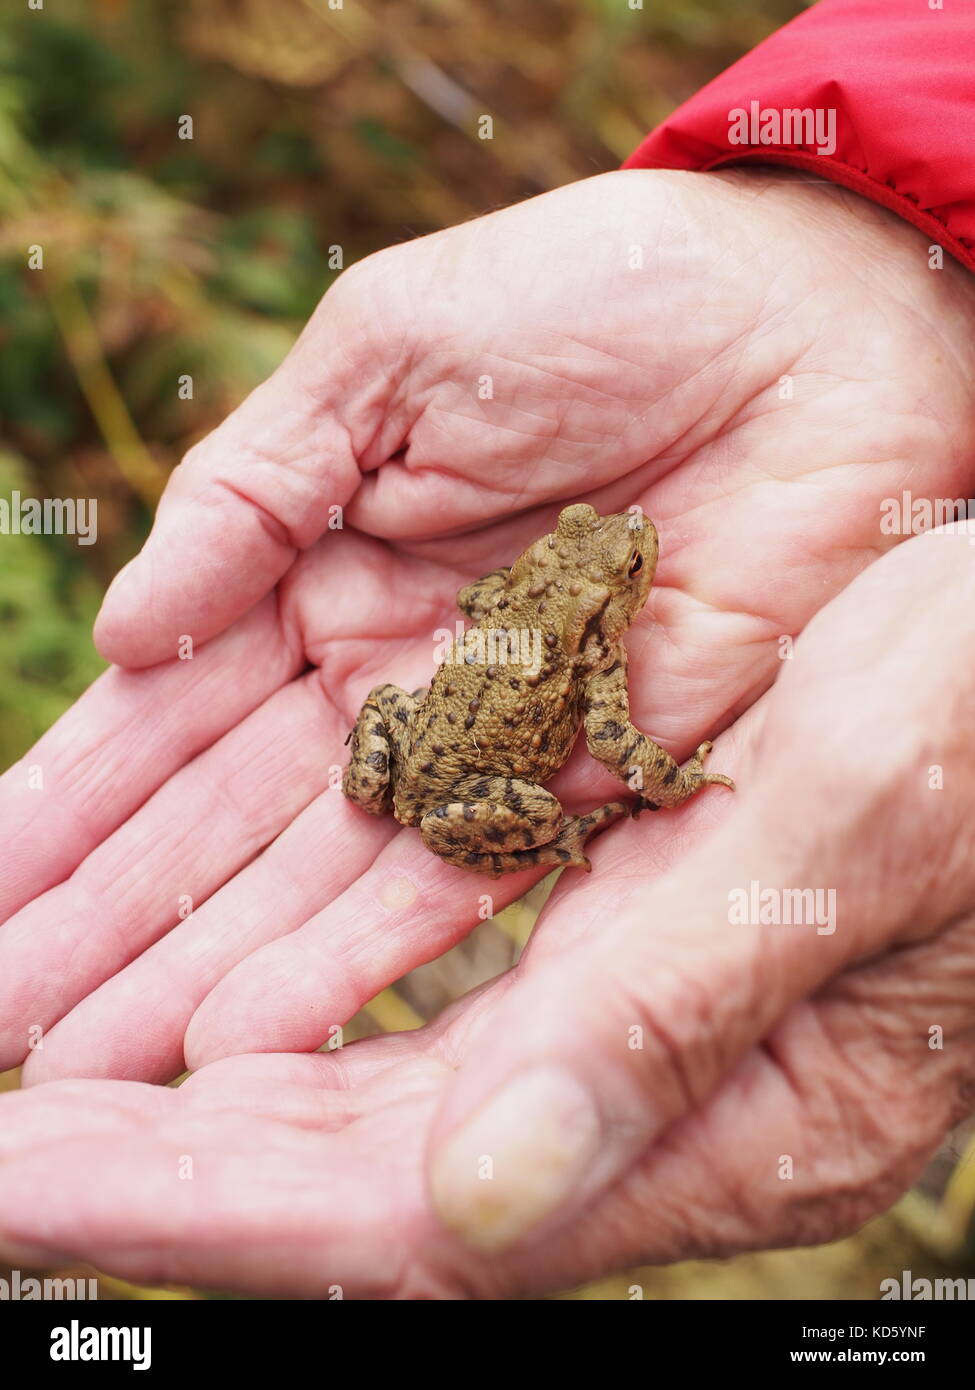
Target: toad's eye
{"x":636,"y":564}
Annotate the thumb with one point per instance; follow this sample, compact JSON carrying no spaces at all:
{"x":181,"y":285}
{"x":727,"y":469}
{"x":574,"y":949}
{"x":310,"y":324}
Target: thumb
{"x":599,"y":1047}
{"x":253,"y":493}
{"x":591,"y":1055}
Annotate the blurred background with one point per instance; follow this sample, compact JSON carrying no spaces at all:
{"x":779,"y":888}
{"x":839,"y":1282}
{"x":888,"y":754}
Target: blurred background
{"x":313,"y":128}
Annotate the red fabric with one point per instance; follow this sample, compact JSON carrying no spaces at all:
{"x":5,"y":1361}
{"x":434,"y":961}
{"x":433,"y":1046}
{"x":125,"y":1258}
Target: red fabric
{"x":900,"y":77}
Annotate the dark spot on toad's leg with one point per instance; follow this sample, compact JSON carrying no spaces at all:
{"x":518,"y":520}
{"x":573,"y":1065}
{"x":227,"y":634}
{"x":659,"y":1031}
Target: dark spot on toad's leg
{"x":611,"y":730}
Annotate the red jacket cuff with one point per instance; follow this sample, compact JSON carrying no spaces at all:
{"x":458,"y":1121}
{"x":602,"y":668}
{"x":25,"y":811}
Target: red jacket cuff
{"x":878,"y":95}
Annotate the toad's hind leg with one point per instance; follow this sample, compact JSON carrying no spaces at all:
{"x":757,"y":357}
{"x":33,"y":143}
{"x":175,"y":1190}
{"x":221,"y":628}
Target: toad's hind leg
{"x":503,"y":825}
{"x":380,"y":743}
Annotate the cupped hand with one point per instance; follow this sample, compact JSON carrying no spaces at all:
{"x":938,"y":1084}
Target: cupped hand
{"x":756,"y":360}
{"x":662,"y":1076}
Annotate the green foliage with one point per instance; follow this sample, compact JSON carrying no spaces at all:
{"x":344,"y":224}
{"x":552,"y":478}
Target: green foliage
{"x":48,"y":602}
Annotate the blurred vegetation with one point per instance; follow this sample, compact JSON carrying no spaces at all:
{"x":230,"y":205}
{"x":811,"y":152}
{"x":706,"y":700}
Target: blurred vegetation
{"x":312,"y":128}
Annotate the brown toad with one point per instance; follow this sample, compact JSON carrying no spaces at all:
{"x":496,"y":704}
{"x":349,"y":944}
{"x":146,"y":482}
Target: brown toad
{"x":465,"y":760}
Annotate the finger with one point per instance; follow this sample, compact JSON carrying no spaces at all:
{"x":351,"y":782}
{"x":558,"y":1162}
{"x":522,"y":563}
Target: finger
{"x":600,"y":1046}
{"x":227,"y":1199}
{"x":406,"y":908}
{"x":818,"y":808}
{"x":292,"y":994}
{"x":73,"y":1109}
{"x":603,"y":1044}
{"x":132,"y":1026}
{"x":259,"y":489}
{"x":316,"y":1091}
{"x":857,"y":1120}
{"x":126,"y":735}
{"x":197,"y":830}
{"x":812,"y":1134}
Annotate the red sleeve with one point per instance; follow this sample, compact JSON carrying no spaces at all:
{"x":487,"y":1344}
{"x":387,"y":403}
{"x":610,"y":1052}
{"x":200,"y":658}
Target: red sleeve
{"x":899,"y":79}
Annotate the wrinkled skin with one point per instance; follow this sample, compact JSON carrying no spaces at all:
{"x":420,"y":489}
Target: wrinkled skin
{"x":659,"y":387}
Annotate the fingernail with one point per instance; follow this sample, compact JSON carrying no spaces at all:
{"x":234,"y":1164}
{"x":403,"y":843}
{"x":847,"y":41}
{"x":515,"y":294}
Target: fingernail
{"x":516,"y":1159}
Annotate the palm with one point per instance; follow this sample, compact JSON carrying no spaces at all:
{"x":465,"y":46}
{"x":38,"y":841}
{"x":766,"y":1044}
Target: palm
{"x":304,"y":1174}
{"x":657,"y":386}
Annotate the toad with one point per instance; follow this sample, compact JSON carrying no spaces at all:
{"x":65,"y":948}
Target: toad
{"x":467,"y":760}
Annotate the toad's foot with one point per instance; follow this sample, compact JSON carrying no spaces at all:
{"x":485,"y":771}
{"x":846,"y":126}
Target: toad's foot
{"x":566,"y":850}
{"x":569,"y":844}
{"x":693,"y":771}
{"x":679,"y":783}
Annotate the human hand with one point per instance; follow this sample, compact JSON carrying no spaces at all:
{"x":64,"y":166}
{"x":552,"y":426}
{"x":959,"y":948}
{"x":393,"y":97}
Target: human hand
{"x":761,"y":1044}
{"x":657,"y":386}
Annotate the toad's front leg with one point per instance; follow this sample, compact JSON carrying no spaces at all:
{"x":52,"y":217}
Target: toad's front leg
{"x":478,"y":599}
{"x":643,"y":765}
{"x":501,"y":825}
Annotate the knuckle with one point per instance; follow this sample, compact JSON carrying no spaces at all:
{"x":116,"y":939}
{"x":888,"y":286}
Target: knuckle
{"x":680,"y":1028}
